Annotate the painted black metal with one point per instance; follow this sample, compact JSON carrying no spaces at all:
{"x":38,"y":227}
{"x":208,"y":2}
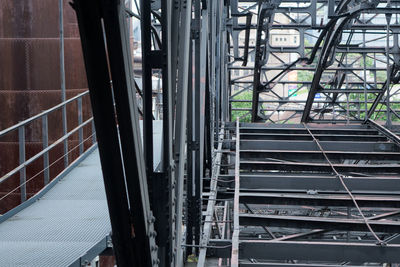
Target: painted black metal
{"x":304,"y":222}
{"x":159,"y":181}
{"x":318,"y":251}
{"x":299,"y":199}
{"x":247,"y":39}
{"x":318,"y":183}
{"x":265,"y":19}
{"x":128,"y":232}
{"x":330,"y":36}
{"x":309,"y":251}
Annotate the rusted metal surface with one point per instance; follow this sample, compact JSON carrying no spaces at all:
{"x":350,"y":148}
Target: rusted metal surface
{"x":30,"y":83}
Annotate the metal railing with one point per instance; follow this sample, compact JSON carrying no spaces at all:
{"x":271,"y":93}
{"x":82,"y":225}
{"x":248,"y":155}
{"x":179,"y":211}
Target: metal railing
{"x":43,"y":116}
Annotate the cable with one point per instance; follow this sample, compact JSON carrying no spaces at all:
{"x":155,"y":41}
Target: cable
{"x":24,"y":183}
{"x":380,"y":242}
{"x":200,"y":246}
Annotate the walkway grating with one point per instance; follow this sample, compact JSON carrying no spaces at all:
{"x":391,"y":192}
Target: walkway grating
{"x":63,"y":226}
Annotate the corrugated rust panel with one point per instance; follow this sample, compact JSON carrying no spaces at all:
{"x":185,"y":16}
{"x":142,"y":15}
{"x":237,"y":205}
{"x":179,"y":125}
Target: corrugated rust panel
{"x":75,"y":73}
{"x":30,"y":83}
{"x":29,"y":18}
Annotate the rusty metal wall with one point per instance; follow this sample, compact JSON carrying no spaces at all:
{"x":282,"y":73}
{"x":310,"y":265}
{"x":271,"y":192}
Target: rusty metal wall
{"x":30,"y":82}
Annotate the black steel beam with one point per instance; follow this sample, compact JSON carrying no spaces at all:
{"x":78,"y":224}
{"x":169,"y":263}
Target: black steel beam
{"x":386,"y":132}
{"x":299,"y":155}
{"x":279,"y":264}
{"x":300,"y":130}
{"x":311,"y":146}
{"x":318,"y":199}
{"x":322,"y":167}
{"x":310,"y":251}
{"x":319,"y":251}
{"x":319,"y":183}
{"x":321,"y":137}
{"x":126,"y":246}
{"x":305,"y":222}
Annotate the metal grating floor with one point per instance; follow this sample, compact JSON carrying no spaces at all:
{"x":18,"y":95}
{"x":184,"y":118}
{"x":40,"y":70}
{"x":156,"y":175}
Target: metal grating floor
{"x":63,"y":225}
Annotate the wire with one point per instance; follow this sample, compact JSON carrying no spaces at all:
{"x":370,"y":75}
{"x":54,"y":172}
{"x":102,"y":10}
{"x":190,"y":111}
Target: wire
{"x":200,"y":246}
{"x":380,"y":242}
{"x":24,"y":183}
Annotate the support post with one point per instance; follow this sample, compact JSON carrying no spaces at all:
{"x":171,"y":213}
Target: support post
{"x":62,"y":78}
{"x":22,"y":172}
{"x":45,"y":140}
{"x":80,"y":131}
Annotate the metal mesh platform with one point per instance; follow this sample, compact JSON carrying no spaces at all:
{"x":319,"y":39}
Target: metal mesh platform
{"x":67,"y":225}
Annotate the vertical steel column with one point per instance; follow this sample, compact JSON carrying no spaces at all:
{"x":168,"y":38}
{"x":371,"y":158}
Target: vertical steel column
{"x":195,"y":127}
{"x":118,"y":47}
{"x":62,"y":78}
{"x":365,"y":80}
{"x":212,"y":69}
{"x":131,"y":243}
{"x":191,"y":207}
{"x":22,"y":172}
{"x":209,"y":87}
{"x":181,"y":104}
{"x":235,"y":33}
{"x":331,"y":8}
{"x":160,"y":183}
{"x":172,"y":24}
{"x":167,"y":183}
{"x":147,"y":72}
{"x":223,"y":62}
{"x":388,"y":70}
{"x":208,"y":134}
{"x":201,"y":24}
{"x":45,"y":140}
{"x":217,"y":48}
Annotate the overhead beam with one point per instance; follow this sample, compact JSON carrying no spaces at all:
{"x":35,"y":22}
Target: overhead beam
{"x":324,"y":183}
{"x":317,"y":223}
{"x":317,"y":155}
{"x":319,"y":251}
{"x":311,"y":146}
{"x":322,"y":167}
{"x":298,"y":199}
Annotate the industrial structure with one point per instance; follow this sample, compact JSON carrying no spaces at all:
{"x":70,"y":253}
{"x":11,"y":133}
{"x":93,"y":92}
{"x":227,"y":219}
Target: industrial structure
{"x":218,"y":133}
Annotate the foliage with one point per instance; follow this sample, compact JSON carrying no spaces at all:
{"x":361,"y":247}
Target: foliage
{"x":244,"y":115}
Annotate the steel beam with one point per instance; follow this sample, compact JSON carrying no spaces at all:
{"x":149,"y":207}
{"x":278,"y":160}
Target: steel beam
{"x":318,"y":222}
{"x":318,"y":183}
{"x":130,"y":249}
{"x":319,"y":251}
{"x":326,"y":145}
{"x":322,"y":167}
{"x":318,"y":199}
{"x":313,"y":156}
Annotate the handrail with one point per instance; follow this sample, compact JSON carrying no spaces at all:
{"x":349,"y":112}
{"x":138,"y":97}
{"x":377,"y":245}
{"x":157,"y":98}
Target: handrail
{"x":48,"y":111}
{"x":20,"y":127}
{"x":41,"y":153}
{"x":383,"y":130}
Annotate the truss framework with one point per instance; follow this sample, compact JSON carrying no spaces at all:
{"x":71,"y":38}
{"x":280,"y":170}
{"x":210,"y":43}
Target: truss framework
{"x":350,"y":45}
{"x":303,"y":203}
{"x":249,"y":194}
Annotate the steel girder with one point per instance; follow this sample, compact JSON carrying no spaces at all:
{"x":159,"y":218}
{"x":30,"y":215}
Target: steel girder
{"x":119,"y":145}
{"x":296,"y":215}
{"x":359,"y":56}
{"x":167,"y":30}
